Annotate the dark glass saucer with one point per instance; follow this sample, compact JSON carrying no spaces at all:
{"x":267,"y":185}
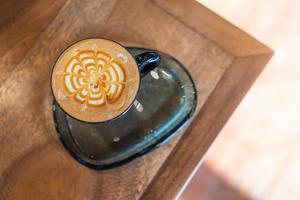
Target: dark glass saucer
{"x":165,"y":102}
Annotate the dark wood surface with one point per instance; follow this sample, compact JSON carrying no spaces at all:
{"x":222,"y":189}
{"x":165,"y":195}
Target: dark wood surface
{"x":223,"y":61}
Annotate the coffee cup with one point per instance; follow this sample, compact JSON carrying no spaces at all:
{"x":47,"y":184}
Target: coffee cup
{"x":97,"y":80}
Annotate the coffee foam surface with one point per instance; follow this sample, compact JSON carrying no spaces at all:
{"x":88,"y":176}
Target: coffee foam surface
{"x":95,"y":80}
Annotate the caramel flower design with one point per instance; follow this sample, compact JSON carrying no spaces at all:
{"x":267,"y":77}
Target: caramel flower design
{"x":94,"y":78}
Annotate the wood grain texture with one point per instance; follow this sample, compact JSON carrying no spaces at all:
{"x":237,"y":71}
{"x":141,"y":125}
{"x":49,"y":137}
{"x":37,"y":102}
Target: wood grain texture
{"x":33,"y":162}
{"x":197,"y":17}
{"x":21,"y":23}
{"x":188,"y":154}
{"x":249,"y":59}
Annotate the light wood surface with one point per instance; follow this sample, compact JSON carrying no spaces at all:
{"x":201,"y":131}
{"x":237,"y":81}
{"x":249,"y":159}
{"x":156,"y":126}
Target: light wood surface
{"x":222,"y":59}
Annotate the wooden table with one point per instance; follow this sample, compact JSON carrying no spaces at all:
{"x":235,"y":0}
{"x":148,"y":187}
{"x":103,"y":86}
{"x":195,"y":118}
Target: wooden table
{"x":223,"y":60}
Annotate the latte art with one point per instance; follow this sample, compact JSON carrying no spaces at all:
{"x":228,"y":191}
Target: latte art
{"x":94,"y":78}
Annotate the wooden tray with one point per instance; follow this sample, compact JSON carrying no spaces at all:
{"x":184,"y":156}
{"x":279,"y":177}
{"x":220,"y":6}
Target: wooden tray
{"x":223,"y":60}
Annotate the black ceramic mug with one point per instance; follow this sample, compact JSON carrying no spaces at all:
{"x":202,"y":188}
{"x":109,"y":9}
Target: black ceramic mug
{"x":97,"y":80}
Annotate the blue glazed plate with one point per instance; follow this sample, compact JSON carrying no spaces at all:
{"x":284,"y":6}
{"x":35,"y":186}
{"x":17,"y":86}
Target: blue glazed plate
{"x":165,"y":102}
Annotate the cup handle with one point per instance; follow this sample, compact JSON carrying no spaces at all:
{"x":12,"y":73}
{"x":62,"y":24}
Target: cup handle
{"x":147,"y":61}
